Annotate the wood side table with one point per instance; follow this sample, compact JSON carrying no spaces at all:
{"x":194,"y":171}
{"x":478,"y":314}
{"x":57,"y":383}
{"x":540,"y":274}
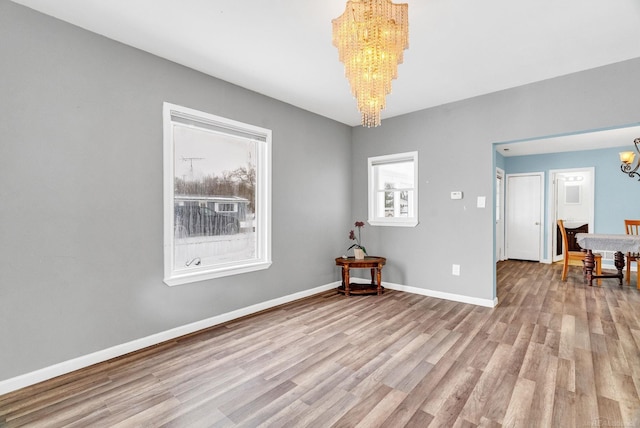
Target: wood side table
{"x":369,"y":262}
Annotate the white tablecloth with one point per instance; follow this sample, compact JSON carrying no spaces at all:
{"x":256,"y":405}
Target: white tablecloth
{"x":604,"y":242}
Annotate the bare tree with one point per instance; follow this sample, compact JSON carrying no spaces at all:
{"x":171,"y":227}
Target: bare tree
{"x":240,"y":182}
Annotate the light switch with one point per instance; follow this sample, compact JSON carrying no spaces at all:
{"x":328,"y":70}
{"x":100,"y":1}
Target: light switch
{"x":482,"y":201}
{"x":455,"y":270}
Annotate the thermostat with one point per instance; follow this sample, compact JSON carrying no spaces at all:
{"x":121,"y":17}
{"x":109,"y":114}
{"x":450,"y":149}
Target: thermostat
{"x":456,"y":195}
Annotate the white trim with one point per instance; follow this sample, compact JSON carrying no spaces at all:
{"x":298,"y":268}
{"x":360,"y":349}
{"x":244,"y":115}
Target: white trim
{"x":197,"y":275}
{"x":394,"y":222}
{"x":69,"y":366}
{"x":608,"y":262}
{"x":412,"y":220}
{"x":500,"y":243}
{"x":175,"y":115}
{"x":442,"y":295}
{"x":552,"y":206}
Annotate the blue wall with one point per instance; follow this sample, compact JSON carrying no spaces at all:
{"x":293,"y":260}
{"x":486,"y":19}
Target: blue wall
{"x":617,"y":196}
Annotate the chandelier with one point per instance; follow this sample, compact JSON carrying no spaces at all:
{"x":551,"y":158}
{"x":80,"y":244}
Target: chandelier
{"x":371,"y":36}
{"x":627,"y":159}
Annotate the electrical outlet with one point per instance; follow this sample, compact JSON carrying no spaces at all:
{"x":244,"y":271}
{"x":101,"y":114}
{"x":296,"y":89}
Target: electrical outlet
{"x":455,"y":270}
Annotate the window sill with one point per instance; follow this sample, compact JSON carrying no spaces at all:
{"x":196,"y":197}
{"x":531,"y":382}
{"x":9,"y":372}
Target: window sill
{"x":189,"y":277}
{"x":394,"y":222}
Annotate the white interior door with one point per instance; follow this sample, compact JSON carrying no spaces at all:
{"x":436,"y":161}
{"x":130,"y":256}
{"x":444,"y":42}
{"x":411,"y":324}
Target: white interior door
{"x":524,"y":216}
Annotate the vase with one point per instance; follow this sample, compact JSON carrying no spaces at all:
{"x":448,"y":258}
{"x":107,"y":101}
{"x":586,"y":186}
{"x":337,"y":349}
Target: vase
{"x":358,"y":253}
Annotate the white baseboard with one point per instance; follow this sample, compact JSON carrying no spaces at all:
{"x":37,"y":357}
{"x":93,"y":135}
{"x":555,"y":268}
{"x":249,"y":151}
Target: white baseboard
{"x":437,"y":294}
{"x":65,"y":367}
{"x":442,"y":295}
{"x":609,"y":265}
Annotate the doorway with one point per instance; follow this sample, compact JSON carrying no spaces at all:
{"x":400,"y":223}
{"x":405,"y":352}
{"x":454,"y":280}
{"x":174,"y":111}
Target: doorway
{"x":572,"y":200}
{"x":524,"y":214}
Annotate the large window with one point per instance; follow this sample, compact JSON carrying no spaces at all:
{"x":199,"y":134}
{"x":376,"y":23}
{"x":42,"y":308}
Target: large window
{"x":216,"y":196}
{"x":393,"y":190}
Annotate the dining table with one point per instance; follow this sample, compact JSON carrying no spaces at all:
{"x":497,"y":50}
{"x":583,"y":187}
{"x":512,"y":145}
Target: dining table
{"x":617,"y":243}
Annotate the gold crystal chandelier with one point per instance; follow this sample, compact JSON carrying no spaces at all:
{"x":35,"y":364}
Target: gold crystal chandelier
{"x":371,"y":36}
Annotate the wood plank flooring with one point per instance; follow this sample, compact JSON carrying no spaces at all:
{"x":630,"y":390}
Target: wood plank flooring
{"x":552,"y":354}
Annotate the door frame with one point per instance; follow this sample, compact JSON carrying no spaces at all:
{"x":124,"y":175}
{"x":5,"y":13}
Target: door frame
{"x":500,"y":213}
{"x":553,"y":207}
{"x":542,"y":228}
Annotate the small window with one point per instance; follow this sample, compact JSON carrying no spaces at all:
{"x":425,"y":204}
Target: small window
{"x":216,"y":196}
{"x":226,"y":208}
{"x":393,"y":190}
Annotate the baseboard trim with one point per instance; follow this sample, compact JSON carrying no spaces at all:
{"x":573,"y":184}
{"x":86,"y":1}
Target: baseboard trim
{"x":32,"y":378}
{"x":442,"y":295}
{"x":437,"y":294}
{"x":609,"y":265}
{"x":28,"y":379}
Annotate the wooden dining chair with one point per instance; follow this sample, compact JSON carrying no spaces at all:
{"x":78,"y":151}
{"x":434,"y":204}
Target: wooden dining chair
{"x":632,"y":227}
{"x":576,"y":255}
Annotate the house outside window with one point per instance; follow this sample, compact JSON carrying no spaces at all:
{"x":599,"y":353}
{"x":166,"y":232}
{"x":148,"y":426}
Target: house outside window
{"x":393,"y":190}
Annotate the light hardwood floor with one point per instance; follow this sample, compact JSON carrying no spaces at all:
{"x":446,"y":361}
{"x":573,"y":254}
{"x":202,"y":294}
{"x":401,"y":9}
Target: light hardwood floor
{"x":551,"y":354}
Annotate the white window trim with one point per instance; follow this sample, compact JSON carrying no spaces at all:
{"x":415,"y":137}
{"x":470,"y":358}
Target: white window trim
{"x":412,"y":220}
{"x":263,"y":197}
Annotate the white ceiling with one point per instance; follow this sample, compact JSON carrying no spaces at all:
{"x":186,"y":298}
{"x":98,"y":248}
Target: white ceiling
{"x":282,"y":48}
{"x":592,"y":140}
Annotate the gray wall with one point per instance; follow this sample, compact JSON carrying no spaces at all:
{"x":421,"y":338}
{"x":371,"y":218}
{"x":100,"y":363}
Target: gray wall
{"x":455,"y":145}
{"x":81,"y":187}
{"x":81,"y":254}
